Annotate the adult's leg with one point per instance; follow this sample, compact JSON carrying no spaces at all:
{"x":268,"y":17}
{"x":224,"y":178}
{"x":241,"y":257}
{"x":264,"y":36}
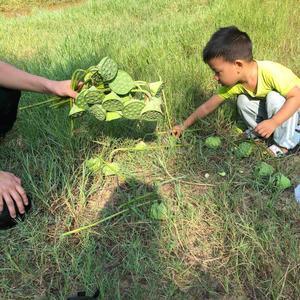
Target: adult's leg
{"x":9,"y":100}
{"x":284,"y":135}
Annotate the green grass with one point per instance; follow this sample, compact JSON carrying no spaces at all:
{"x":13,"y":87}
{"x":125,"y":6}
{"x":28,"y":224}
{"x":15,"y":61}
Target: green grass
{"x":234,"y":237}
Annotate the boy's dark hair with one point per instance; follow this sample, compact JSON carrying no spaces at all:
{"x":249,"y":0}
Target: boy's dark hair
{"x":229,"y":43}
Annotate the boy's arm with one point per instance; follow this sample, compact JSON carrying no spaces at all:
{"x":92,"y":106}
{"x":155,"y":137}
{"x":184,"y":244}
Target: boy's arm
{"x":11,"y":77}
{"x":202,"y":111}
{"x":291,"y":106}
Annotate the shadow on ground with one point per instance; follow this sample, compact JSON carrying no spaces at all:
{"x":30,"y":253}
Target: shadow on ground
{"x":128,"y":252}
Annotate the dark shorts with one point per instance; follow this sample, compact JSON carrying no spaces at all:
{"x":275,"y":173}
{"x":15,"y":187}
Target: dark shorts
{"x":9,"y":100}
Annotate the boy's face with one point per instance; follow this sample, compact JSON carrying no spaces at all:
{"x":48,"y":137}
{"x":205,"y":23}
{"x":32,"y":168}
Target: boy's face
{"x":226,"y":73}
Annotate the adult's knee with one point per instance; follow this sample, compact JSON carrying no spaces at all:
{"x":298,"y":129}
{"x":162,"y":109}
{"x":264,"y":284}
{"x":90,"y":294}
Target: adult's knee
{"x":9,"y":100}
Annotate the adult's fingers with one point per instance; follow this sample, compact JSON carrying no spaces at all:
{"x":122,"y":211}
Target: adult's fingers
{"x":9,"y":173}
{"x":80,"y":85}
{"x":73,"y":94}
{"x":22,"y":193}
{"x":17,"y":179}
{"x":19,"y":201}
{"x":10,"y":204}
{"x":14,"y":177}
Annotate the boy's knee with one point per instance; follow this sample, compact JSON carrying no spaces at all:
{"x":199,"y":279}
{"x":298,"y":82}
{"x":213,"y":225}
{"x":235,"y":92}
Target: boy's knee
{"x":274,"y":100}
{"x":242,"y":101}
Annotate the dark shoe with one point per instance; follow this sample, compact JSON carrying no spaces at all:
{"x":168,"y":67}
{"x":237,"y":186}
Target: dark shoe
{"x":82,"y":296}
{"x":6,"y":221}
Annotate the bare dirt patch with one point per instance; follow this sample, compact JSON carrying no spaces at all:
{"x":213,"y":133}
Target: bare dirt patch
{"x":20,"y":8}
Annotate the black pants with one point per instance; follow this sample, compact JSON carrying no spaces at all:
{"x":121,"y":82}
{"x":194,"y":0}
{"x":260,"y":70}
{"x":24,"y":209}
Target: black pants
{"x":9,"y":100}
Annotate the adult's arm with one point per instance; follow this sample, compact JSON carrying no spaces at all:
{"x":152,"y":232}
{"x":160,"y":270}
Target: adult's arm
{"x":14,"y":78}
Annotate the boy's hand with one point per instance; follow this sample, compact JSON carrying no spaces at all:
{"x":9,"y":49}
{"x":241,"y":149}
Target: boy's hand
{"x":177,"y":130}
{"x":266,"y":128}
{"x":12,"y":192}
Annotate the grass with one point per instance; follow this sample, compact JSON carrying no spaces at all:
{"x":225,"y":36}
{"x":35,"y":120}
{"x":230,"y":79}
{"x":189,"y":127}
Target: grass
{"x":234,"y":237}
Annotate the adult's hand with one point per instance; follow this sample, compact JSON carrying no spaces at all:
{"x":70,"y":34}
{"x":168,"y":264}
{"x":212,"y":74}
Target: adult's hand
{"x":61,"y":88}
{"x":11,"y":192}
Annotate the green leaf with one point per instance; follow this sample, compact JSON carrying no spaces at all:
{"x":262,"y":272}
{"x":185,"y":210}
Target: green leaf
{"x":244,"y":150}
{"x":122,"y":84}
{"x":156,"y":88}
{"x":141,"y":146}
{"x":94,"y":164}
{"x":213,"y":142}
{"x":281,"y":182}
{"x":222,"y":173}
{"x":264,"y":170}
{"x":76,"y":111}
{"x":158,"y":211}
{"x":113,"y":115}
{"x":236,"y":131}
{"x":110,"y":169}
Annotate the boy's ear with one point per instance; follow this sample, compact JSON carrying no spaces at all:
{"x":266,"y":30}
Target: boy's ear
{"x":239,"y":63}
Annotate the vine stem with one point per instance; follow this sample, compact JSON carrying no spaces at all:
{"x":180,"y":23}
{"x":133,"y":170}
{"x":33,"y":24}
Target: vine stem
{"x":139,"y":89}
{"x":101,"y":221}
{"x":56,"y":105}
{"x":38,"y":104}
{"x":167,"y":110}
{"x":71,"y":119}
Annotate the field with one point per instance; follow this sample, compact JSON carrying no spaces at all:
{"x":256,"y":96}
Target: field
{"x":226,"y":237}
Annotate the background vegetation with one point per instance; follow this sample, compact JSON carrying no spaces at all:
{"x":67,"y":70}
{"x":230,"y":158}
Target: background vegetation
{"x":226,"y":236}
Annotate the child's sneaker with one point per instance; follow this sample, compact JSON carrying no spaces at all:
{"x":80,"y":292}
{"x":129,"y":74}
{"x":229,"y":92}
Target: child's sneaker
{"x":277,"y":151}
